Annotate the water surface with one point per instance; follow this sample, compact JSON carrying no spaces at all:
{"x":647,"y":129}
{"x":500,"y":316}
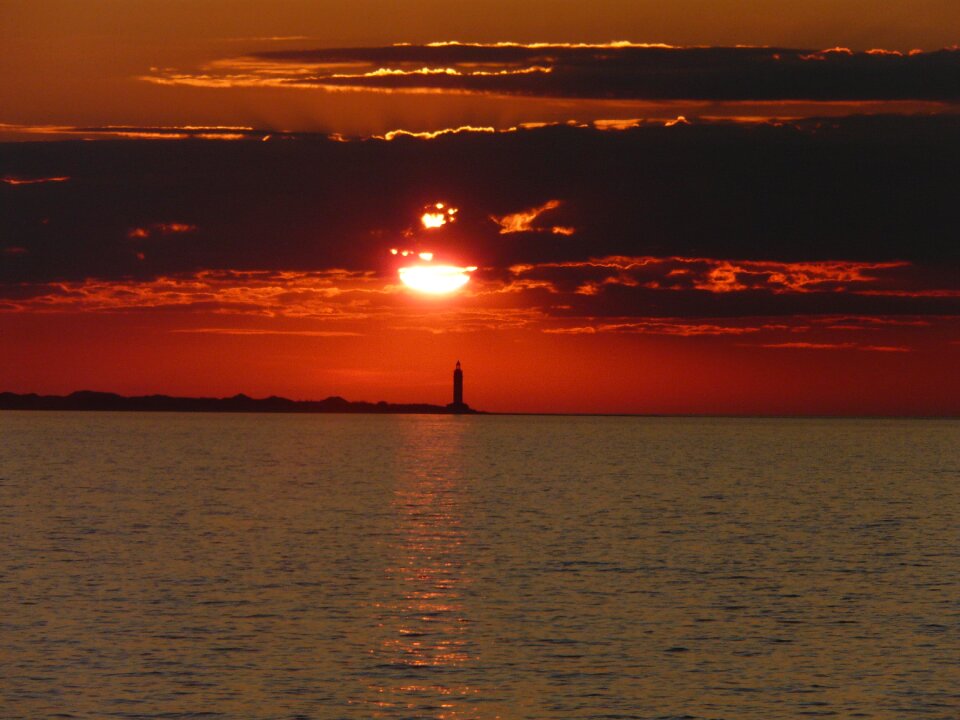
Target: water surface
{"x":334,"y":566}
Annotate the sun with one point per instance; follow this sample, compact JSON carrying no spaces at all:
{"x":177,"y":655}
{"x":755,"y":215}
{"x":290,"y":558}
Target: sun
{"x":422,"y":275}
{"x":435,"y":279}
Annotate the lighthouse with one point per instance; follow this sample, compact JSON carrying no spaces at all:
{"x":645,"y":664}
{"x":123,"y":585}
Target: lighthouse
{"x":458,"y":406}
{"x":457,"y":387}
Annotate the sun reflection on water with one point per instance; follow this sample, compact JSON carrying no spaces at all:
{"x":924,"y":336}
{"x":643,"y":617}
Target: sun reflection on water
{"x":424,"y":632}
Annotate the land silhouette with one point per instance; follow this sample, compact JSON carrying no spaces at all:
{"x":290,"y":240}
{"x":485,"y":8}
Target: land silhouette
{"x":91,"y":400}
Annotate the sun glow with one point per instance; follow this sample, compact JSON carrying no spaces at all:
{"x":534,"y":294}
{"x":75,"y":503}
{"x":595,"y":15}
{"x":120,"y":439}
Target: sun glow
{"x":433,"y":220}
{"x":435,"y":279}
{"x":437,"y":215}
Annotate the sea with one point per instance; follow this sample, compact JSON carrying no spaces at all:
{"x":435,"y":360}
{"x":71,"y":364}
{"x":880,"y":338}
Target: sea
{"x":255,"y":566}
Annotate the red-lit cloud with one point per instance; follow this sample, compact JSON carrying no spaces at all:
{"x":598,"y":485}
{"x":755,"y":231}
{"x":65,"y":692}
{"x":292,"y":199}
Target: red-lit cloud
{"x":430,"y":135}
{"x":617,"y":70}
{"x":13,"y":180}
{"x":258,"y":332}
{"x":125,"y":132}
{"x":326,"y":295}
{"x":710,"y":275}
{"x":523,"y":221}
{"x":167,"y":228}
{"x":682,"y":327}
{"x":835,"y":346}
{"x":616,"y":294}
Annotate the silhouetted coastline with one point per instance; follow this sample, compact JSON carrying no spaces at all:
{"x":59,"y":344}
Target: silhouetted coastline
{"x":90,"y":400}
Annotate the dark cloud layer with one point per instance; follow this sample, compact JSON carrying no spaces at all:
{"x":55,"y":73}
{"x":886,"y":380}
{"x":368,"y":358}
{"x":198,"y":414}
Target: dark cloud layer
{"x":609,"y":72}
{"x":851,"y":216}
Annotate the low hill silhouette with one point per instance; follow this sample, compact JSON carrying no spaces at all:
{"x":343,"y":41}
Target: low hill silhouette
{"x":90,"y":400}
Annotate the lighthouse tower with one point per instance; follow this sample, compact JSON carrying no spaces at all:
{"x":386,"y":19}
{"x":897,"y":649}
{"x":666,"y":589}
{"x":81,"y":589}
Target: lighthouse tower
{"x":458,"y":388}
{"x":457,"y":405}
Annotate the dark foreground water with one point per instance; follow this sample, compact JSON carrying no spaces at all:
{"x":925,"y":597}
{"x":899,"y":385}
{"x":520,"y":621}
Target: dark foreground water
{"x":278,"y":566}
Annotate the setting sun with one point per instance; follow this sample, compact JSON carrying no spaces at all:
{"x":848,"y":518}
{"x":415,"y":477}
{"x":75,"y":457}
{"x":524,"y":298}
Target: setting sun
{"x":435,"y":279}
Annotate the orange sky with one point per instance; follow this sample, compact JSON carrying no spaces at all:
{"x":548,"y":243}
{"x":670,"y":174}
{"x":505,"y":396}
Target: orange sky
{"x":504,"y":370}
{"x":784,"y":247}
{"x":67,"y":62}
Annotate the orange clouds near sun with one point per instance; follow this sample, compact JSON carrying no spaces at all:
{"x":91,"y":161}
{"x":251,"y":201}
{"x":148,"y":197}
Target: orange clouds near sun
{"x":523,"y":221}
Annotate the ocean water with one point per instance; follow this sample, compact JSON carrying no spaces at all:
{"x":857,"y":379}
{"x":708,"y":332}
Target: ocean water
{"x":332,"y":566}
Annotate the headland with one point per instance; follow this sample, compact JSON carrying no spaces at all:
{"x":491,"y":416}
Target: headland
{"x":90,"y":400}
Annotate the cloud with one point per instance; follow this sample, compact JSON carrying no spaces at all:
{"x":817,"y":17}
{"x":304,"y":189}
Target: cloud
{"x":618,"y":70}
{"x":868,"y":323}
{"x":835,"y":218}
{"x":266,"y":331}
{"x":126,"y":132}
{"x":331,"y":294}
{"x":13,"y":180}
{"x":836,"y":346}
{"x":664,"y":326}
{"x":928,"y":293}
{"x":523,"y":221}
{"x":343,"y":304}
{"x":165,"y":228}
{"x":617,"y":286}
{"x":430,"y":135}
{"x":709,"y":274}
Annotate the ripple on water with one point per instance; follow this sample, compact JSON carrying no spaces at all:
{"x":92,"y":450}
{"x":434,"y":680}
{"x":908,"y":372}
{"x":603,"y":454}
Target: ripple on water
{"x":193,"y":566}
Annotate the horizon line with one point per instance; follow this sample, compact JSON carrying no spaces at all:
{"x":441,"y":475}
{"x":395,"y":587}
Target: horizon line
{"x":438,"y":409}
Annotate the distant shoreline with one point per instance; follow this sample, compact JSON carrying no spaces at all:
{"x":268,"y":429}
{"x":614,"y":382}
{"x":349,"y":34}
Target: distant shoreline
{"x":87,"y":400}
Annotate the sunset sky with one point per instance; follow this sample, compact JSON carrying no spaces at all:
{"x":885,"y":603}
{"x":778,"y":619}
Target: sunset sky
{"x":690,"y":207}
